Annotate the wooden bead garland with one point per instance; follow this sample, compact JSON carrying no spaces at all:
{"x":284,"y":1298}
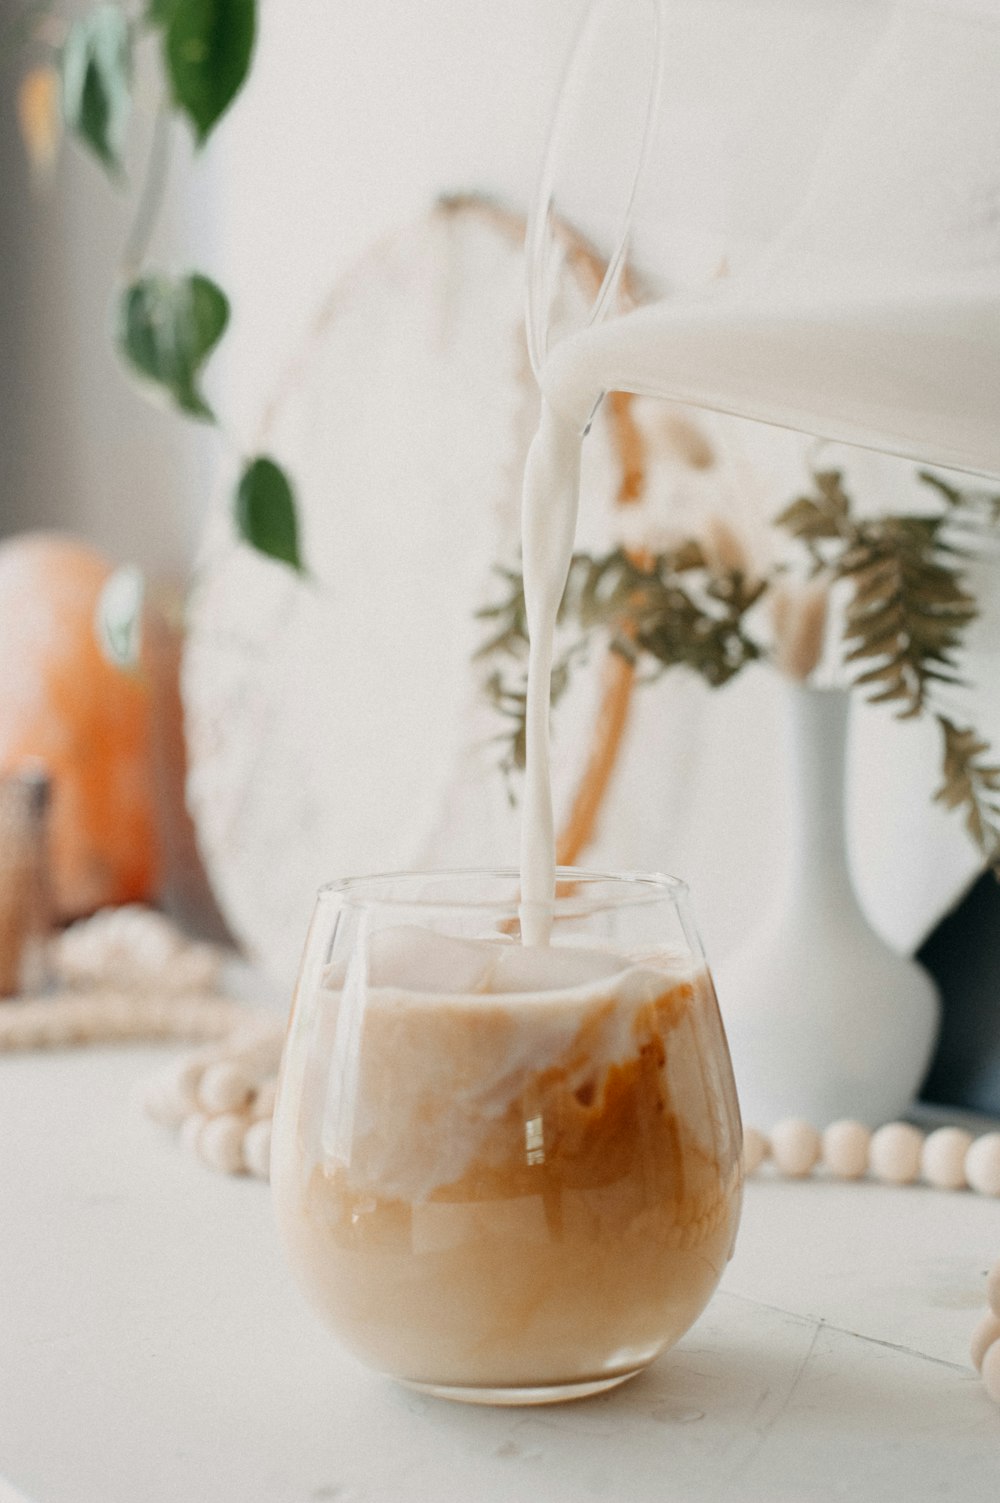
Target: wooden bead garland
{"x":949,"y":1158}
{"x":221,"y":1099}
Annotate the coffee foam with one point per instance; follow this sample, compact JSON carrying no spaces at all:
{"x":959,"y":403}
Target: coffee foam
{"x":418,"y":962}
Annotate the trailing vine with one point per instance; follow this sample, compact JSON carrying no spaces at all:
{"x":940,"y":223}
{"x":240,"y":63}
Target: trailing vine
{"x":80,"y":82}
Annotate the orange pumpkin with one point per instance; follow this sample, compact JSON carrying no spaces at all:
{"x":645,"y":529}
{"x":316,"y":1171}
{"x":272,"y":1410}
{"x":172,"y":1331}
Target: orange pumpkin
{"x":62,"y":703}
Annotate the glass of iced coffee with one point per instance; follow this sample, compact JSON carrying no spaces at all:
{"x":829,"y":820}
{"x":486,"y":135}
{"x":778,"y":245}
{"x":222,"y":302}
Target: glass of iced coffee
{"x":506,"y":1173}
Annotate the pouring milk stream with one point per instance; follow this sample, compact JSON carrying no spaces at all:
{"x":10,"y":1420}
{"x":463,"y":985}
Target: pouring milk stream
{"x":893,"y":343}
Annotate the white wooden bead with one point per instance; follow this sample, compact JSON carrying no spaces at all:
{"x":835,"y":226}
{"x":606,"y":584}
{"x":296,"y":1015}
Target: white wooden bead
{"x":263,"y":1103}
{"x":187,"y":1078}
{"x":991,"y":1372}
{"x":160,"y":1099}
{"x":983,"y":1337}
{"x":942,"y":1162}
{"x":220,"y":1143}
{"x":755,"y":1150}
{"x":191,"y":1130}
{"x":894,"y":1155}
{"x":982,"y":1164}
{"x":257,"y":1148}
{"x":795,"y":1147}
{"x":845,"y":1149}
{"x":993,"y":1289}
{"x":224,"y":1087}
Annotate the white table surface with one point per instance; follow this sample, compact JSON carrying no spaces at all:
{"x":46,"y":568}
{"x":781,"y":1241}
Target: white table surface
{"x":152,"y":1347}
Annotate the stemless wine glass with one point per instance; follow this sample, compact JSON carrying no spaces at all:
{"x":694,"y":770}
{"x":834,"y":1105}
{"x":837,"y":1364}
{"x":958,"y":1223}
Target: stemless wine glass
{"x":506,"y":1174}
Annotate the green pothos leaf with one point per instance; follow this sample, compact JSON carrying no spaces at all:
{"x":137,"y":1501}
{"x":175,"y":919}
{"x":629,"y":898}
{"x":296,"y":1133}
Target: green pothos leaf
{"x":266,"y":517}
{"x":96,"y":78}
{"x":168,"y":327}
{"x":207,"y":50}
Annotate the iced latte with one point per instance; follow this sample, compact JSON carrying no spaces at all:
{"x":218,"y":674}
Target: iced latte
{"x":507,"y":1171}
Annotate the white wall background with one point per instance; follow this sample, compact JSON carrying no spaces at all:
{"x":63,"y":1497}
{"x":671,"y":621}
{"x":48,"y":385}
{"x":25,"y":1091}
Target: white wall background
{"x":357,"y":116}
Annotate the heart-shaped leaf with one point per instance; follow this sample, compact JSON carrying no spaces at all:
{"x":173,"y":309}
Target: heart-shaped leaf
{"x":168,"y":327}
{"x":207,"y":47}
{"x":265,"y":512}
{"x":96,"y":70}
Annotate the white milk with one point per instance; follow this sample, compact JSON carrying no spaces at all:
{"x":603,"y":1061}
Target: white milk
{"x":548,"y":528}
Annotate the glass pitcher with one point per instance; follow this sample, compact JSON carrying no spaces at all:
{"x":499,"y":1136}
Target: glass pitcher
{"x":808,"y":198}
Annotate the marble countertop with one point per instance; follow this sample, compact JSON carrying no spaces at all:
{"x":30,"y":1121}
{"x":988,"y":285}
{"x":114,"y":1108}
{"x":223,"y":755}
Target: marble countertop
{"x":153,"y":1348}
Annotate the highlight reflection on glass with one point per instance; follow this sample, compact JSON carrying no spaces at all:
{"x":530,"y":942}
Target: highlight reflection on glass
{"x":506,"y":1173}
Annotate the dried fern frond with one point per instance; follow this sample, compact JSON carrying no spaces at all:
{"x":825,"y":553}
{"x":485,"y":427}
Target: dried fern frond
{"x":972,"y":783}
{"x":823,"y":516}
{"x":908,"y":606}
{"x":970,"y":503}
{"x":669,"y":608}
{"x":908,"y":610}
